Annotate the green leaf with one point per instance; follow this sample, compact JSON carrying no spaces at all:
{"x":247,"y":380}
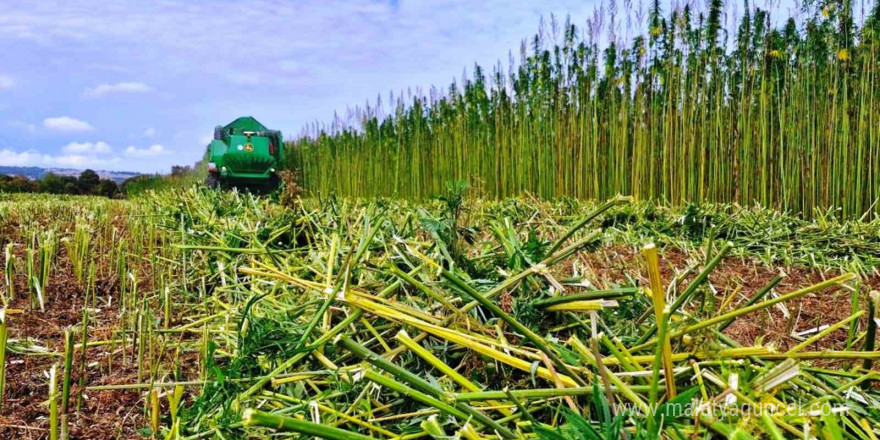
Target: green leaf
{"x":533,"y":370}
{"x":675,"y":408}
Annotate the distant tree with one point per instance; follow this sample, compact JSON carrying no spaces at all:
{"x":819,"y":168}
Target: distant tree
{"x":55,"y":184}
{"x":23,"y":184}
{"x":88,"y":182}
{"x":180,"y":170}
{"x":5,"y":183}
{"x":71,"y":188}
{"x":17,"y":184}
{"x":107,"y":188}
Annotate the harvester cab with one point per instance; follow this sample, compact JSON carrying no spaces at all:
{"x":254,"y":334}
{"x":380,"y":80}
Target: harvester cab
{"x":244,"y":154}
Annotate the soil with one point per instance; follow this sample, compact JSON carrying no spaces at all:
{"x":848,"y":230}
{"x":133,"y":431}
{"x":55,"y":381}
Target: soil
{"x":103,"y":414}
{"x":776,"y":325}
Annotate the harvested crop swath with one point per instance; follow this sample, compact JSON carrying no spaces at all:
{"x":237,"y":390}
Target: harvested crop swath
{"x":232,"y":316}
{"x":385,"y":323}
{"x":397,"y":347}
{"x":687,"y":110}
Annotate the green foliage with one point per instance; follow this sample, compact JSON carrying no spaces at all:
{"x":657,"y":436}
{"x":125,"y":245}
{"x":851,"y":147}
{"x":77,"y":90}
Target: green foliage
{"x":266,"y":341}
{"x":604,"y":427}
{"x":88,"y":183}
{"x":446,"y":229}
{"x":17,"y":184}
{"x":56,"y":184}
{"x":180,"y":178}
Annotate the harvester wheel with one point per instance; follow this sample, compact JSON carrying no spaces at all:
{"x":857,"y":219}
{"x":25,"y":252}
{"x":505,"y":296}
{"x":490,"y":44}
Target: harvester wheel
{"x":212,"y":182}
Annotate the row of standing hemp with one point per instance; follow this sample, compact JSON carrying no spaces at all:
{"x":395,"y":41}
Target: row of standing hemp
{"x":784,"y":116}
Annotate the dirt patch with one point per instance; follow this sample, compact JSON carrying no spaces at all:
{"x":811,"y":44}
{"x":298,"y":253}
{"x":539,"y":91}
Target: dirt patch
{"x":733,"y":282}
{"x":101,"y":415}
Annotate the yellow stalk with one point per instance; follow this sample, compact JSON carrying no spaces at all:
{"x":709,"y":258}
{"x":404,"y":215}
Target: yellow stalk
{"x":154,"y":409}
{"x":375,"y":334}
{"x":424,"y":412}
{"x":53,"y":403}
{"x":699,"y":375}
{"x":659,"y":298}
{"x":558,"y":383}
{"x":328,"y":286}
{"x":393,"y":305}
{"x":625,"y":390}
{"x":174,"y":399}
{"x":577,"y":306}
{"x":415,"y":347}
{"x":412,"y":436}
{"x":867,"y":428}
{"x":290,"y":379}
{"x":4,"y":334}
{"x":396,"y":315}
{"x":625,"y":351}
{"x":824,"y":333}
{"x":582,"y":349}
{"x":436,"y":296}
{"x":327,"y":363}
{"x":305,"y":284}
{"x":469,"y":433}
{"x":625,"y":361}
{"x":499,"y":336}
{"x":357,"y":421}
{"x":433,"y":428}
{"x":463,"y":340}
{"x":730,"y":298}
{"x":499,"y":356}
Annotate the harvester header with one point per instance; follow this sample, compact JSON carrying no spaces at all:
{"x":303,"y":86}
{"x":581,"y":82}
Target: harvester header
{"x":244,"y":153}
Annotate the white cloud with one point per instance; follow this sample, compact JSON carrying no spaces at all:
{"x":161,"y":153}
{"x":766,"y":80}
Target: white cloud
{"x":123,"y":87}
{"x":26,"y":158}
{"x":10,"y":157}
{"x":150,"y":132}
{"x":66,"y":123}
{"x":153,"y":150}
{"x":31,"y":158}
{"x":6,"y":82}
{"x":88,"y":148}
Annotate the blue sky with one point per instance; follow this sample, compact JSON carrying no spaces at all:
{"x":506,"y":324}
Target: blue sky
{"x":139,"y":85}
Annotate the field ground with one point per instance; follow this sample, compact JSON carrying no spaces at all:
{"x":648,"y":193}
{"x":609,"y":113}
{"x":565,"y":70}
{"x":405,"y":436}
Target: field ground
{"x":241,"y":302}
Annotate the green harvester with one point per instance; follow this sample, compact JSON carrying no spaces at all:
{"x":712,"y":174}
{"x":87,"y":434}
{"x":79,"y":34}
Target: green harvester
{"x":244,"y":153}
